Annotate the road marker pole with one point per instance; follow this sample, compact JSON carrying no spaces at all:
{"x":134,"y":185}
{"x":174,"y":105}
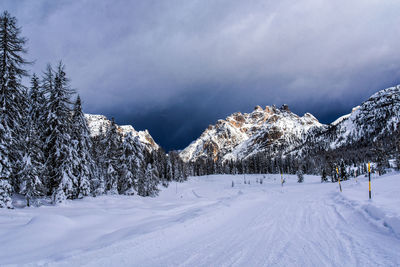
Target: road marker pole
{"x":340,"y":186}
{"x":369,"y":179}
{"x":281,"y":179}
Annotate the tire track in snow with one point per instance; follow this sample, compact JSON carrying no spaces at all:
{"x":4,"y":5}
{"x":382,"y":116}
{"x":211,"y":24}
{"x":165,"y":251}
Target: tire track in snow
{"x":302,"y":226}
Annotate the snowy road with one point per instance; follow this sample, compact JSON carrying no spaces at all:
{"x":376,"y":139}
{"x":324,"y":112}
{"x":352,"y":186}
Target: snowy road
{"x":209,"y":223}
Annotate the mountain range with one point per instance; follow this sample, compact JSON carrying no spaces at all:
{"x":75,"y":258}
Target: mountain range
{"x":278,"y":131}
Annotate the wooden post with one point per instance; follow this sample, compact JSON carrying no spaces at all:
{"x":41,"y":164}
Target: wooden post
{"x":369,"y":179}
{"x":340,"y":186}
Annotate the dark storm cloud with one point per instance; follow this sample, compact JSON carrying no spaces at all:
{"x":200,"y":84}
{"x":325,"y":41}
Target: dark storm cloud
{"x":176,"y":66}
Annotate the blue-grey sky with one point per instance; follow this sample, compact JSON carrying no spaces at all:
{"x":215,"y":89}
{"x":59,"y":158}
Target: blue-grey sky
{"x":176,"y":66}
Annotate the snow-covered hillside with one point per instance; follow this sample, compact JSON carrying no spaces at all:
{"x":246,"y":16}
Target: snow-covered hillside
{"x":241,"y":135}
{"x":375,"y":120}
{"x":344,"y":117}
{"x":376,"y":117}
{"x":207,"y":222}
{"x":98,"y":123}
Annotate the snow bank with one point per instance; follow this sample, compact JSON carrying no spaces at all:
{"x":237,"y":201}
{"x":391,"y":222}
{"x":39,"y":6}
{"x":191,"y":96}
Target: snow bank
{"x":383,"y":210}
{"x":207,"y":222}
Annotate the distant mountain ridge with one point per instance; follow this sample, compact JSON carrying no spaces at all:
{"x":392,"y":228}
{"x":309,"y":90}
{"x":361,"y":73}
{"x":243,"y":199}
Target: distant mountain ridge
{"x":241,"y":135}
{"x":98,"y":123}
{"x":278,"y":132}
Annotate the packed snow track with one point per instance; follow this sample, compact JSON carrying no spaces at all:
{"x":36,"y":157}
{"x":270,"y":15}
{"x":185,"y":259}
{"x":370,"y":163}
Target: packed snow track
{"x":207,"y":222}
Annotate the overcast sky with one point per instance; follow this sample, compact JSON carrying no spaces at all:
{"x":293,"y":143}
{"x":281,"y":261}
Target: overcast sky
{"x":176,"y":66}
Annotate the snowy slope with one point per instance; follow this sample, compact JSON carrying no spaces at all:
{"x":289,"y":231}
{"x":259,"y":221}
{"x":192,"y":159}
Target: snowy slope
{"x":241,"y":135}
{"x":98,"y":123}
{"x":344,"y":117}
{"x":207,"y":222}
{"x":376,"y":117}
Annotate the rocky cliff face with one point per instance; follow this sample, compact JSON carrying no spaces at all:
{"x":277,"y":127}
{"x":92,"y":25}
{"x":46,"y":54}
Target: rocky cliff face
{"x":99,"y":123}
{"x":240,"y":135}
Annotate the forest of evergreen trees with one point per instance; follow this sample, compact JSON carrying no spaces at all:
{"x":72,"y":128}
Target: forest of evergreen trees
{"x":45,"y":146}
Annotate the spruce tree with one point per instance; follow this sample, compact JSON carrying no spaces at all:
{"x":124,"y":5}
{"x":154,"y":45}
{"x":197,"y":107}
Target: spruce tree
{"x":343,"y":172}
{"x":300,"y":175}
{"x":151,"y":178}
{"x":129,"y":165}
{"x":33,"y":159}
{"x":83,"y":164}
{"x":58,"y":146}
{"x":112,"y":150}
{"x":98,"y":183}
{"x":140,"y":163}
{"x":12,"y":99}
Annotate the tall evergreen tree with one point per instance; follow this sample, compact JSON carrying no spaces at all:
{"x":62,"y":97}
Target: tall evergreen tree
{"x":83,"y":164}
{"x":151,"y":179}
{"x":300,"y":175}
{"x":129,"y":166}
{"x":112,"y":149}
{"x":343,"y":172}
{"x":58,"y":146}
{"x":33,"y":159}
{"x":98,"y":183}
{"x":12,"y":98}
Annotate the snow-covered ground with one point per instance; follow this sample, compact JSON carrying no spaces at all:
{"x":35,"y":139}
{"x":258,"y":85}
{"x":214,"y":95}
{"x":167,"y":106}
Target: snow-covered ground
{"x":207,"y":222}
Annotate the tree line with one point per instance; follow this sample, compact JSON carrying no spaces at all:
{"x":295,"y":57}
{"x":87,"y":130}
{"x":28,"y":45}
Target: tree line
{"x":349,"y":160}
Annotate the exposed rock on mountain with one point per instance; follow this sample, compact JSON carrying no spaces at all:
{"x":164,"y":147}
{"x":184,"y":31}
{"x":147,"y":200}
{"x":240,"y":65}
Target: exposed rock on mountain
{"x":99,"y":123}
{"x":241,"y":135}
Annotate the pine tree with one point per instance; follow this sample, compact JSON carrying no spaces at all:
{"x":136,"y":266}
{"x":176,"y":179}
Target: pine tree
{"x":151,"y":181}
{"x":112,"y":149}
{"x":129,"y":166}
{"x":98,"y":183}
{"x":58,"y":145}
{"x":33,"y":160}
{"x":343,"y":172}
{"x":300,"y":175}
{"x":83,"y":164}
{"x":12,"y":99}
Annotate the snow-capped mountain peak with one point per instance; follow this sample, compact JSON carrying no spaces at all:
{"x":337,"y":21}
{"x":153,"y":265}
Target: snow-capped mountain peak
{"x":100,"y":123}
{"x":242,"y":134}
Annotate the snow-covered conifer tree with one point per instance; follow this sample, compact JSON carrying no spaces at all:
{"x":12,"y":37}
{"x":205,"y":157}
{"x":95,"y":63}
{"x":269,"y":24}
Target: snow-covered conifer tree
{"x":151,"y":179}
{"x":300,"y":175}
{"x":32,"y":167}
{"x":112,"y":150}
{"x":12,"y":98}
{"x":97,"y":183}
{"x":58,"y":146}
{"x":343,"y":172}
{"x":83,"y":164}
{"x":129,"y":166}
